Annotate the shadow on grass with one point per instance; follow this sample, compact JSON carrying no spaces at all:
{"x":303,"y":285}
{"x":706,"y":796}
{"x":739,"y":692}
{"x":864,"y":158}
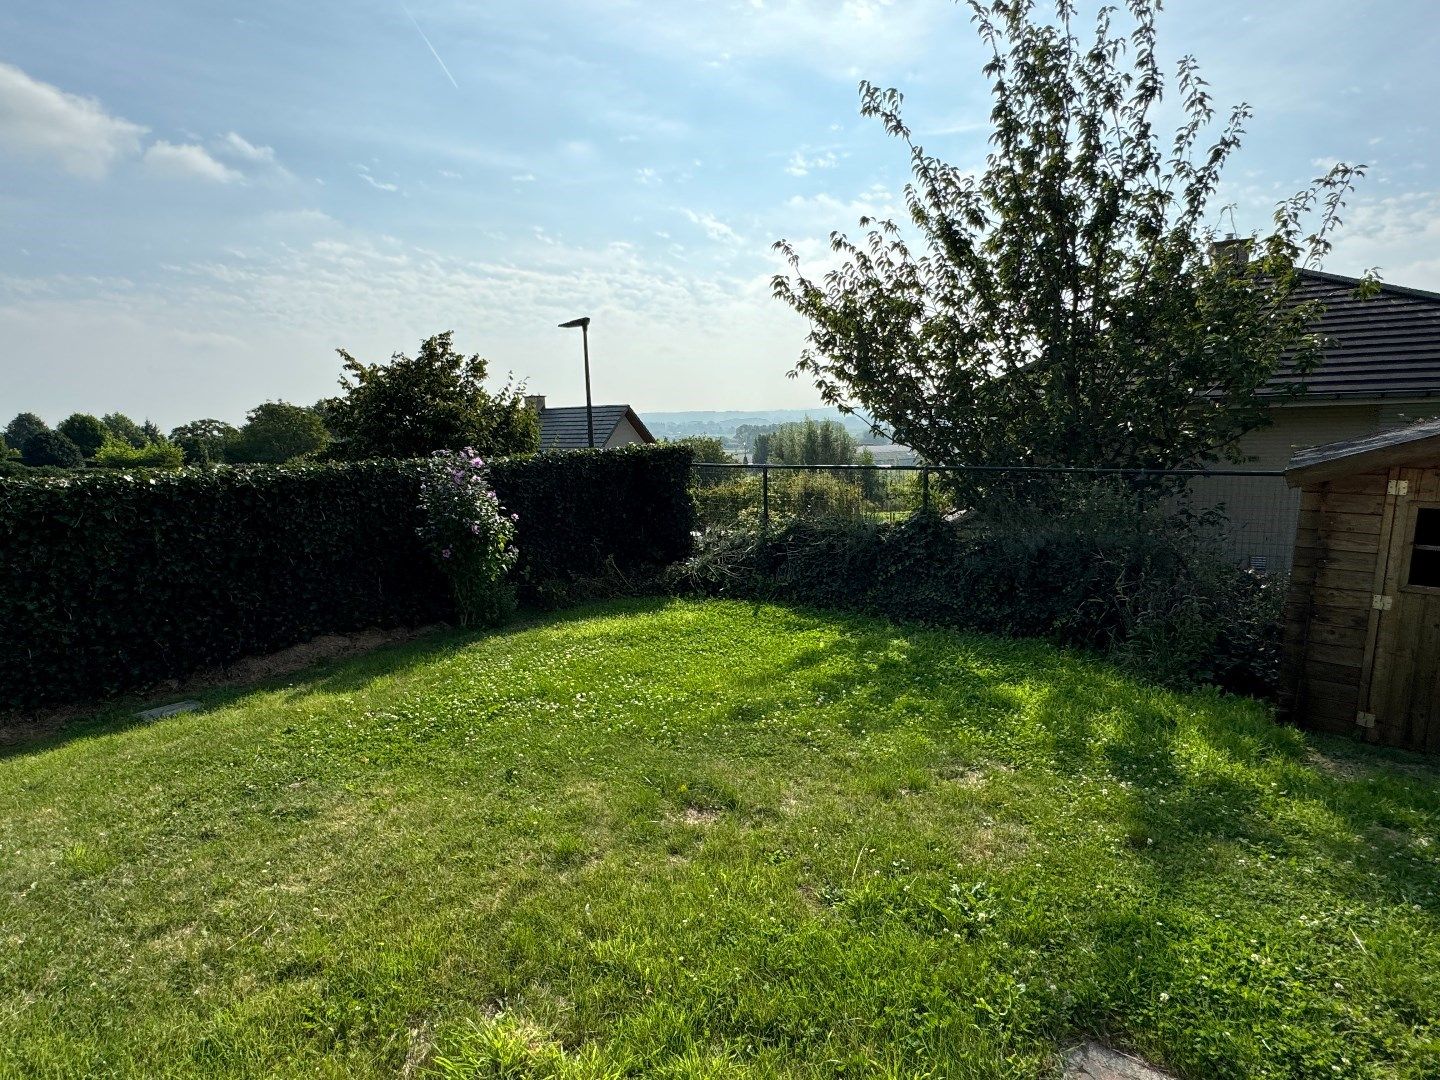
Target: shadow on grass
{"x":343,"y":674}
{"x":1203,"y":771}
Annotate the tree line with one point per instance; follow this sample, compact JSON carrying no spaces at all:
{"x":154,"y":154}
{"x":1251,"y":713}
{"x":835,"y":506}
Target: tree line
{"x":408,"y":407}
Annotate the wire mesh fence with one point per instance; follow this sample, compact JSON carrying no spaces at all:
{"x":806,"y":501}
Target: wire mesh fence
{"x":1252,"y":514}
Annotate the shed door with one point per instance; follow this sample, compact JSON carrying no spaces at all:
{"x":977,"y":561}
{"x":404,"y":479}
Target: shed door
{"x":1405,"y":677}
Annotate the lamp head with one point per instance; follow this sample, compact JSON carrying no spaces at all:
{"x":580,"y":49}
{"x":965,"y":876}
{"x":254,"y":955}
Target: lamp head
{"x":583,"y":321}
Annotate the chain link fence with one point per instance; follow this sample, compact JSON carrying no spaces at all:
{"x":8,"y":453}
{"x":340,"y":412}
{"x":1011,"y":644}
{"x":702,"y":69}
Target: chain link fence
{"x":1253,"y":514}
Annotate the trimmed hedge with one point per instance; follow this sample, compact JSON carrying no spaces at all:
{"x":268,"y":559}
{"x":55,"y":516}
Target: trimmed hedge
{"x":587,"y":514}
{"x":110,"y":582}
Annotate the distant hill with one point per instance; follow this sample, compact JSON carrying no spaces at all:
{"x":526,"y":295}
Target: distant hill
{"x":676,"y":425}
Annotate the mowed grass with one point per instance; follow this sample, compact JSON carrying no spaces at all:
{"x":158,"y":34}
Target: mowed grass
{"x":694,"y":839}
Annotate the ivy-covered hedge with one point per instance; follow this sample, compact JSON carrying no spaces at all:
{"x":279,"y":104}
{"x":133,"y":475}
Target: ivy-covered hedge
{"x":587,"y":514}
{"x":116,"y":581}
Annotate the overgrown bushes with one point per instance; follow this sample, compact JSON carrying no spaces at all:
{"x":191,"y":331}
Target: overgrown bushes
{"x":110,"y":581}
{"x":1135,"y":579}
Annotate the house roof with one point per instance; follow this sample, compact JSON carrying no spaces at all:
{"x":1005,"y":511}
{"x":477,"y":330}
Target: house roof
{"x":564,"y":428}
{"x":1386,"y":346}
{"x":1378,"y":450}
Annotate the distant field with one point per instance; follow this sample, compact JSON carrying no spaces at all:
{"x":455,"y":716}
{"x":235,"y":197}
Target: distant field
{"x":714,"y":840}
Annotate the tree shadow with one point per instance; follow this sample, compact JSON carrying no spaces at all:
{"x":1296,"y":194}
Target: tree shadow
{"x":340,"y":675}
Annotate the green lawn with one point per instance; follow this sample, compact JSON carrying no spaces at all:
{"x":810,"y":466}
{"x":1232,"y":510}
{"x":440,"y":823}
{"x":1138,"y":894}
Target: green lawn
{"x":714,"y":840}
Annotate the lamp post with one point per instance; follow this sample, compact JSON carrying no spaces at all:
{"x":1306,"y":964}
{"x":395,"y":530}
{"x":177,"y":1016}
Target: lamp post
{"x":584,"y":324}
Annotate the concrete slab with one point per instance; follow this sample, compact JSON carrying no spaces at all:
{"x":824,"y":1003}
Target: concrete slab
{"x":1095,"y":1062}
{"x":168,"y":710}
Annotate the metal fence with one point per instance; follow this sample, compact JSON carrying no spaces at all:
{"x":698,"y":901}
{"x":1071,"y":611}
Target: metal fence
{"x":1252,"y":513}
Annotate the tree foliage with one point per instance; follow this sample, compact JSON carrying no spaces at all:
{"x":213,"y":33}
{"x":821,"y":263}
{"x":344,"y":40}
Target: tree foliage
{"x":124,"y":429}
{"x":205,"y":442}
{"x":435,"y":400}
{"x":1060,"y":305}
{"x":19,"y":430}
{"x":277,"y":432}
{"x":823,"y":442}
{"x":51,"y":448}
{"x":85,"y":431}
{"x":707,"y":449}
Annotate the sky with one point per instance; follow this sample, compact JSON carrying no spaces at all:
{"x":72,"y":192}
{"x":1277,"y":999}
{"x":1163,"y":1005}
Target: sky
{"x":201,"y":201}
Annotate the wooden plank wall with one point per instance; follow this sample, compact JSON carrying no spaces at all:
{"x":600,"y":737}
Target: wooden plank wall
{"x":1328,"y":614}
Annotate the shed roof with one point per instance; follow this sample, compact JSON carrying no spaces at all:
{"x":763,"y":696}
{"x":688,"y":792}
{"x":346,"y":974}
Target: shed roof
{"x":564,"y":428}
{"x":1378,"y":450}
{"x":1385,"y":346}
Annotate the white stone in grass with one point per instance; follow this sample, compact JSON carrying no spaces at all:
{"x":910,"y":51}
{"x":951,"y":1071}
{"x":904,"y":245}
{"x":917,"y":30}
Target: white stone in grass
{"x":1095,"y":1062}
{"x":168,"y":710}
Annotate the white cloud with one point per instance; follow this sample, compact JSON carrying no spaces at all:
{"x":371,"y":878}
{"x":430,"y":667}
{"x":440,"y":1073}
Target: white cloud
{"x":187,"y":161}
{"x":801,"y":165}
{"x":379,"y":185}
{"x":236,"y":146}
{"x":714,"y":228}
{"x":43,"y":122}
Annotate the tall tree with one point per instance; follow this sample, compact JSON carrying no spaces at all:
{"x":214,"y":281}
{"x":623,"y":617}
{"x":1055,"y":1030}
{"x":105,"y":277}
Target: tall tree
{"x":1060,"y":304}
{"x":124,"y":429}
{"x":85,"y":431}
{"x":51,"y":448}
{"x":277,"y":431}
{"x":824,"y":442}
{"x":19,"y":430}
{"x":205,"y":442}
{"x":436,"y":400}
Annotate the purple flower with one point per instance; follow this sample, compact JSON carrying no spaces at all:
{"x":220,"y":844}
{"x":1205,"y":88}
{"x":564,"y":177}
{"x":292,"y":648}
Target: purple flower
{"x":514,"y":517}
{"x":445,"y":554}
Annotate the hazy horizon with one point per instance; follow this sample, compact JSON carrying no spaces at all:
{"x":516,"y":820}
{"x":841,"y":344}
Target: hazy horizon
{"x":198,"y":207}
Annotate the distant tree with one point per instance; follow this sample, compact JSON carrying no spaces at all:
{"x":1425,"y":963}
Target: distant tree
{"x":1062,"y":304}
{"x":19,"y":430}
{"x":51,"y":448}
{"x":205,"y":442}
{"x":159,"y":454}
{"x":85,"y":431}
{"x":124,"y":429}
{"x":823,"y":442}
{"x":435,"y":400}
{"x":277,"y":432}
{"x":746,"y":434}
{"x":708,"y":449}
{"x":150,"y":431}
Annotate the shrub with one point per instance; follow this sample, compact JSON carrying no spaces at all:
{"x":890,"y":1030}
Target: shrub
{"x":160,"y":454}
{"x":51,"y":448}
{"x":113,"y":580}
{"x":1135,"y":579}
{"x":468,"y":533}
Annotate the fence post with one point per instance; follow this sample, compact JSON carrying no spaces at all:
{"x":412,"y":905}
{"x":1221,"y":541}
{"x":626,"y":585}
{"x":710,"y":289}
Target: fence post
{"x":764,"y":496}
{"x":925,"y":487}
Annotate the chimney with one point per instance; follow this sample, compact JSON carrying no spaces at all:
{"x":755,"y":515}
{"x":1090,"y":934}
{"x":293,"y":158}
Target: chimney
{"x":536,"y":402}
{"x":1233,"y":251}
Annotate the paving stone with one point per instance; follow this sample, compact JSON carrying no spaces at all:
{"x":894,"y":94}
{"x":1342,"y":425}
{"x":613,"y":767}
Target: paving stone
{"x":1095,"y":1062}
{"x":168,"y":710}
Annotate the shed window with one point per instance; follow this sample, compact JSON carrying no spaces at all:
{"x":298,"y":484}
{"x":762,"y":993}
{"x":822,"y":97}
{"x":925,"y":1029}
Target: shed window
{"x":1425,"y":554}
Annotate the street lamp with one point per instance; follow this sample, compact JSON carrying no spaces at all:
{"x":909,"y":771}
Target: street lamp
{"x":584,"y":324}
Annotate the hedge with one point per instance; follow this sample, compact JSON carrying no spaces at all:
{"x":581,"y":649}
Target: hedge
{"x":111,"y":582}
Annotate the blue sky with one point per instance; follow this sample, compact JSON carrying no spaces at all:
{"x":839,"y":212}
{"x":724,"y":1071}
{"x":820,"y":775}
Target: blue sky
{"x":200,"y":201}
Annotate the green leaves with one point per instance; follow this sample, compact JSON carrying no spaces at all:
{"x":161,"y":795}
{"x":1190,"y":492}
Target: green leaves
{"x":112,"y":581}
{"x":1059,"y":303}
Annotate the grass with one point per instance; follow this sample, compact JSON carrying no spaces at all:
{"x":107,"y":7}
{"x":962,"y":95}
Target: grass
{"x":714,"y":840}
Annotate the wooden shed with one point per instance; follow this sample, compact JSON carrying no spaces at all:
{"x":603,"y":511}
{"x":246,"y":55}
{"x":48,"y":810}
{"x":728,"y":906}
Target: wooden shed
{"x":1362,"y":634}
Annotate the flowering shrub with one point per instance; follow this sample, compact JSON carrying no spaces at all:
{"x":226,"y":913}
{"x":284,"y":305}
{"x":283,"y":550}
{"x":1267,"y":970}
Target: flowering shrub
{"x":470,"y":535}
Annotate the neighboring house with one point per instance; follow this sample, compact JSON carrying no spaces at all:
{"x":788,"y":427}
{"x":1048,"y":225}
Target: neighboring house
{"x":564,"y":428}
{"x":1381,"y":371}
